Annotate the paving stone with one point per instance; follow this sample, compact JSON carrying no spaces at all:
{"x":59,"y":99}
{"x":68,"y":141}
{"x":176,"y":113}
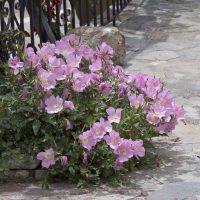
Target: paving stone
{"x":157,"y":55}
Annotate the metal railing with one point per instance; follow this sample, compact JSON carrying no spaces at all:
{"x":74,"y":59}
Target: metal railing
{"x":48,"y":20}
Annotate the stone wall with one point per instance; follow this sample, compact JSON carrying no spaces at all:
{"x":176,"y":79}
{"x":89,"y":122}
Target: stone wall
{"x":21,"y":168}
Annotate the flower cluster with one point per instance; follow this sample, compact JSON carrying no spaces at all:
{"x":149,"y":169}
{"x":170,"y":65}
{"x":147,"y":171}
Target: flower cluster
{"x":161,"y":108}
{"x":124,"y":149}
{"x":98,"y":108}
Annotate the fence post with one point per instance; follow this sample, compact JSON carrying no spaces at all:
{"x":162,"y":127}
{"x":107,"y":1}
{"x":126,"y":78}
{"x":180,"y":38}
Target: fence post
{"x":2,"y":15}
{"x":114,"y":12}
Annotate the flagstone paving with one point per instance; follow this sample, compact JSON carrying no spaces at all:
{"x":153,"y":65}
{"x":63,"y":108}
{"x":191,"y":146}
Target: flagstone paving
{"x":162,"y":39}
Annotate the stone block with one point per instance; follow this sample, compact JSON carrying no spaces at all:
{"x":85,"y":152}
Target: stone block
{"x":94,"y":36}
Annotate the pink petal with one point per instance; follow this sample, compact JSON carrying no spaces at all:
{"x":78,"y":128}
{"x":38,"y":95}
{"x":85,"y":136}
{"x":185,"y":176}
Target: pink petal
{"x":118,"y":111}
{"x":41,"y":155}
{"x":110,"y":111}
{"x":46,"y":163}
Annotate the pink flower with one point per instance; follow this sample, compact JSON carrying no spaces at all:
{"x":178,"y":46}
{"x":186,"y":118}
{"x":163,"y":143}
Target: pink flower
{"x":107,"y":125}
{"x":80,"y":81}
{"x":124,"y":150}
{"x":15,"y":64}
{"x":87,"y":140}
{"x":47,"y":79}
{"x":179,"y":112}
{"x":70,"y":38}
{"x":96,"y":65}
{"x":153,"y":82}
{"x":37,"y":87}
{"x":118,"y":165}
{"x":48,"y":49}
{"x":74,"y":61}
{"x":104,"y":88}
{"x":54,"y":62}
{"x":25,"y":93}
{"x":69,"y":125}
{"x":140,"y":80}
{"x":60,"y":73}
{"x":63,"y":160}
{"x":166,"y":127}
{"x":54,"y":104}
{"x":153,"y":87}
{"x":29,"y":51}
{"x":122,"y":89}
{"x":118,"y":71}
{"x":79,"y":86}
{"x":69,"y":105}
{"x":155,"y":115}
{"x":20,"y":80}
{"x":151,"y":92}
{"x":85,"y":51}
{"x":136,"y":101}
{"x":95,"y":78}
{"x":63,"y":47}
{"x":47,"y":158}
{"x":113,"y":139}
{"x":85,"y":158}
{"x":105,"y":52}
{"x":138,"y":149}
{"x":98,"y":130}
{"x":57,"y":67}
{"x":32,"y":58}
{"x":165,"y":99}
{"x":114,"y":115}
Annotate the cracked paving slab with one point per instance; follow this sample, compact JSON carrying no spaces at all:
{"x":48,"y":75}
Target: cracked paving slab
{"x":162,"y":39}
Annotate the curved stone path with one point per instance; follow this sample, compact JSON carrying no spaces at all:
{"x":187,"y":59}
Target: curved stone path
{"x":163,"y":39}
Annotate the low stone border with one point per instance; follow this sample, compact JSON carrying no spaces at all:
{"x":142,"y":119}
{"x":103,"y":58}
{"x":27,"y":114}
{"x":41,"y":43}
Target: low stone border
{"x":37,"y":174}
{"x":21,"y":168}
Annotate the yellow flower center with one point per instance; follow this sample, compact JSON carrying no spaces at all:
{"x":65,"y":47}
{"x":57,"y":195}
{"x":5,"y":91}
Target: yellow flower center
{"x":44,"y":57}
{"x":97,"y":131}
{"x":34,"y":63}
{"x":123,"y":152}
{"x":65,"y":52}
{"x":48,"y":155}
{"x":156,"y":114}
{"x":16,"y":72}
{"x":115,"y":117}
{"x":136,"y":104}
{"x":153,"y":117}
{"x":44,"y":81}
{"x":113,"y":141}
{"x":85,"y":139}
{"x":55,"y":106}
{"x":73,"y":64}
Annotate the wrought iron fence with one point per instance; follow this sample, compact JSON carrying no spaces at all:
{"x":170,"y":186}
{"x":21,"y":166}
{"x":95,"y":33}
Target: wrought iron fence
{"x":48,"y":20}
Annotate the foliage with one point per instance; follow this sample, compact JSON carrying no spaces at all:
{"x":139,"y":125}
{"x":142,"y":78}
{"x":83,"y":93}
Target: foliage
{"x":84,"y":117}
{"x":11,"y":41}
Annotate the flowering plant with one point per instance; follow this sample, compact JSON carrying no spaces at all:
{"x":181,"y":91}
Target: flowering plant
{"x":84,"y":117}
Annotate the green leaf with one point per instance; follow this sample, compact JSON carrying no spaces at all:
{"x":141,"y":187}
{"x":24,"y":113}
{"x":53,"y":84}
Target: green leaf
{"x":36,"y":126}
{"x":71,"y":170}
{"x":82,"y":183}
